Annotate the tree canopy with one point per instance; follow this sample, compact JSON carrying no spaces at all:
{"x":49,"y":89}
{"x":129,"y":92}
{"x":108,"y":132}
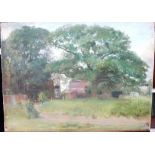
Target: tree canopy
{"x":25,"y":53}
{"x":98,"y":54}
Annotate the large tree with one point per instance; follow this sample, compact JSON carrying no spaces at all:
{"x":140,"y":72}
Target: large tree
{"x":24,"y":51}
{"x":101,"y":55}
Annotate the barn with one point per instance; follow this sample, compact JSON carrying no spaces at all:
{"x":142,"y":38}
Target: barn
{"x":77,"y":89}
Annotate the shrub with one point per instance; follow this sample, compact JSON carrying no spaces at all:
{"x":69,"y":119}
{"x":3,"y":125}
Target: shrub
{"x":88,"y":90}
{"x":132,"y":108}
{"x":42,"y":97}
{"x":32,"y":112}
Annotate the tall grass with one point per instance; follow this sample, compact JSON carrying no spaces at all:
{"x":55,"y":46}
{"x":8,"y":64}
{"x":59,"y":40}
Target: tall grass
{"x":139,"y":107}
{"x":134,"y":107}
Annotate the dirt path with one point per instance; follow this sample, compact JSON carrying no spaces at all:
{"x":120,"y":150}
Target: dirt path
{"x":115,"y":121}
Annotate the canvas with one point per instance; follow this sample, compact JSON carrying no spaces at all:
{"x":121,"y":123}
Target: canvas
{"x":77,"y":76}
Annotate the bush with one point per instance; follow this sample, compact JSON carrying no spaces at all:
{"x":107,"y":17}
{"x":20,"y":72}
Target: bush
{"x":132,"y":108}
{"x":32,"y":112}
{"x":88,"y":90}
{"x":42,"y":97}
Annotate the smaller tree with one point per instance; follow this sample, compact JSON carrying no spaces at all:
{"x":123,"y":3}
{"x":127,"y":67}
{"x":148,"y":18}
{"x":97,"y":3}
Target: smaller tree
{"x":26,"y":51}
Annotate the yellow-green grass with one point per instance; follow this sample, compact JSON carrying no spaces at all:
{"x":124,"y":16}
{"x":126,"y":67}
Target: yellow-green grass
{"x":133,"y":107}
{"x":16,"y":116}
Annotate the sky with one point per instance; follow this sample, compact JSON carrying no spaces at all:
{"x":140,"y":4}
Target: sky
{"x":141,"y":35}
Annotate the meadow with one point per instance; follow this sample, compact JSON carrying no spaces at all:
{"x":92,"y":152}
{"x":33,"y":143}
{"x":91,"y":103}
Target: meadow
{"x":89,"y":114}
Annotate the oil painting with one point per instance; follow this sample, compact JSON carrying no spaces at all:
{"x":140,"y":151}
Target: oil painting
{"x":77,"y":76}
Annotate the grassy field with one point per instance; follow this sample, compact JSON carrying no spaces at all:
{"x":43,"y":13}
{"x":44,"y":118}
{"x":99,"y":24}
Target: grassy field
{"x":82,"y":115}
{"x":100,"y":108}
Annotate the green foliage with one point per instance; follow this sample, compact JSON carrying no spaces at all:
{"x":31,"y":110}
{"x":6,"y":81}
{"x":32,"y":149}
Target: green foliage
{"x":31,"y":111}
{"x":86,"y":46}
{"x":25,"y":50}
{"x":117,"y":74}
{"x":89,"y":90}
{"x":42,"y":97}
{"x":98,"y":54}
{"x":132,"y":108}
{"x":92,"y":107}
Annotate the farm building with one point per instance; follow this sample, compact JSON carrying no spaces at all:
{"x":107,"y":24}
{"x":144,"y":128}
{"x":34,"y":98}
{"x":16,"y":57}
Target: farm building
{"x":77,"y":89}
